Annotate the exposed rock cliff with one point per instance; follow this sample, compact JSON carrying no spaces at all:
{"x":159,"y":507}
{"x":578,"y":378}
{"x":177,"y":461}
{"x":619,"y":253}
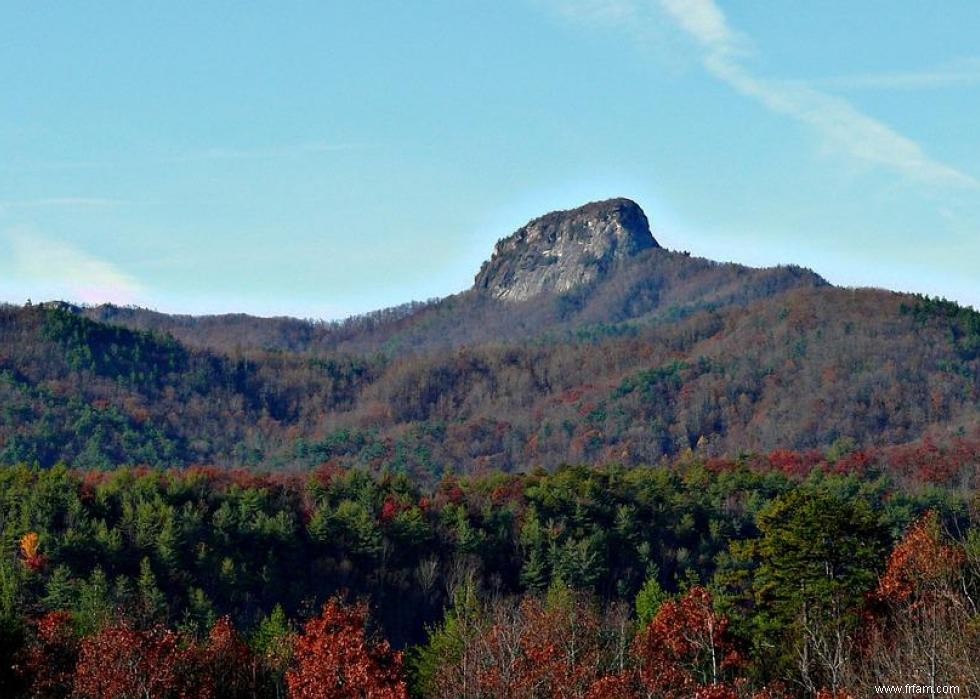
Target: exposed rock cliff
{"x":565,"y":249}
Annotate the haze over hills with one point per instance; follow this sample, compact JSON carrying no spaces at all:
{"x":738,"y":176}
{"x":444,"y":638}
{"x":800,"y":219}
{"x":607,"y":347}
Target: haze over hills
{"x":582,"y":340}
{"x":598,"y":264}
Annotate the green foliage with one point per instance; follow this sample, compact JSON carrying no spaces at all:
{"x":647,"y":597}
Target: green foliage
{"x":963,"y":322}
{"x":130,"y":357}
{"x":152,"y":602}
{"x":446,"y":642}
{"x":649,"y":599}
{"x":94,"y":608}
{"x":653,"y":382}
{"x":819,"y":555}
{"x":185,"y":548}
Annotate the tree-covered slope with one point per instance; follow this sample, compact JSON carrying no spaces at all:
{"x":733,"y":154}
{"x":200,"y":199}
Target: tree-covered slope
{"x":804,"y":369}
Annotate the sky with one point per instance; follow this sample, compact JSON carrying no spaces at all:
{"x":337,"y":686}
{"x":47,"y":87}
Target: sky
{"x":320,"y":159}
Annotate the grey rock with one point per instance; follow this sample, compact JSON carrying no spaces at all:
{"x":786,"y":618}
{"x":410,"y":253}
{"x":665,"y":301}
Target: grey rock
{"x":564,"y":250}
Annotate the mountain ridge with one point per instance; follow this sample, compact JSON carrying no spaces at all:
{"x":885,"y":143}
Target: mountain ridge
{"x":611,"y":270}
{"x":662,"y":353}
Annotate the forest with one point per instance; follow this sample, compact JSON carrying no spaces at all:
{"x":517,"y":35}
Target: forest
{"x":725,"y":449}
{"x":802,"y":370}
{"x":778,"y":575}
{"x":685,"y":480}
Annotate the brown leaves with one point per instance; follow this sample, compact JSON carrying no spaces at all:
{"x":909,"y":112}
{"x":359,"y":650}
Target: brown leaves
{"x":48,"y":662}
{"x":920,"y":564}
{"x":334,"y":659}
{"x":121,"y":662}
{"x":686,"y":649}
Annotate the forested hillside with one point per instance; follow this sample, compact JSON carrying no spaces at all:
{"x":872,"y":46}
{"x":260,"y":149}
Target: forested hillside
{"x":672,"y":581}
{"x":802,"y":370}
{"x":606,"y":470}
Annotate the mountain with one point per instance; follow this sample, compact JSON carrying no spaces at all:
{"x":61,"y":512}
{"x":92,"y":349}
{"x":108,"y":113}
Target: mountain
{"x":581,"y":340}
{"x":596,"y":265}
{"x":565,"y":250}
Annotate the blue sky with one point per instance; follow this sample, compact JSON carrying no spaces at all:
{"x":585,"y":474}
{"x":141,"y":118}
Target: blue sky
{"x":322,"y":159}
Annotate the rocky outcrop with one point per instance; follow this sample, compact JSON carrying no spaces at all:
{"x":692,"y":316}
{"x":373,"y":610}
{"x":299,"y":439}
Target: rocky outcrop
{"x":564,"y":250}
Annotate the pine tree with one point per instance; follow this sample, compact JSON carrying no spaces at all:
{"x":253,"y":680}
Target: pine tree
{"x":152,"y":601}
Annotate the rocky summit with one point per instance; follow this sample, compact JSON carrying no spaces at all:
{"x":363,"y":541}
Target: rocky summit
{"x":564,"y":250}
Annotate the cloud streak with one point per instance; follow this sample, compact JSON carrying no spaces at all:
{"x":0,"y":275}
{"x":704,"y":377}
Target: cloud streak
{"x":962,"y":74}
{"x":841,"y":126}
{"x":58,"y":269}
{"x":61,"y":202}
{"x":264,"y":153}
{"x":202,"y":155}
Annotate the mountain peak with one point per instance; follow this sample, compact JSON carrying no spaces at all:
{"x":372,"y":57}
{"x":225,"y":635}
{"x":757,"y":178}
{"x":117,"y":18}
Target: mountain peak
{"x":565,"y":249}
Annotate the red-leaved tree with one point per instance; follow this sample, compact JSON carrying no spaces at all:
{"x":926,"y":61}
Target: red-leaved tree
{"x":47,"y":665}
{"x":686,"y":650}
{"x":121,"y":663}
{"x":922,"y":566}
{"x":335,"y":659}
{"x":924,"y":628}
{"x":223,"y":667}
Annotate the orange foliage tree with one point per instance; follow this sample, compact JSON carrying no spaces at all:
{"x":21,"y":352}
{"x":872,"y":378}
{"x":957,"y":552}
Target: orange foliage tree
{"x":335,"y":659}
{"x":924,"y":630}
{"x":686,"y":650}
{"x":921,"y":565}
{"x":30,"y":545}
{"x":121,"y":662}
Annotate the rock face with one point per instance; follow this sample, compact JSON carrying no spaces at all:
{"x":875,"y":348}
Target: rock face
{"x":565,"y":249}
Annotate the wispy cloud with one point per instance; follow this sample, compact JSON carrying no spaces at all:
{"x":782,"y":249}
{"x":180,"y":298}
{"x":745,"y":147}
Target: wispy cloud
{"x":704,"y":21}
{"x":964,"y":73}
{"x":61,"y":270}
{"x":261,"y":153}
{"x":842,"y":127}
{"x":198,"y":155}
{"x":61,"y":202}
{"x":597,"y":10}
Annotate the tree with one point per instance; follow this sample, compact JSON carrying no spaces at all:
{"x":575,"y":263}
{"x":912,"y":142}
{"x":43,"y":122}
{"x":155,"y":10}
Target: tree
{"x":152,"y":602}
{"x":223,"y":668}
{"x":450,"y":645}
{"x":121,"y":663}
{"x":48,"y":662}
{"x":814,"y":565}
{"x":30,"y":545}
{"x":273,"y":644}
{"x":335,"y":659}
{"x":559,"y":646}
{"x":686,"y":650}
{"x":924,"y":630}
{"x":649,"y":599}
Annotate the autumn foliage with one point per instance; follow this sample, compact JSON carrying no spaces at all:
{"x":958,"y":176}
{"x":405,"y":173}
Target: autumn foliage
{"x":335,"y":659}
{"x":48,"y":662}
{"x":534,"y":648}
{"x":122,"y":662}
{"x":686,"y":649}
{"x":924,"y":628}
{"x":704,"y":578}
{"x":30,"y":545}
{"x":921,"y":564}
